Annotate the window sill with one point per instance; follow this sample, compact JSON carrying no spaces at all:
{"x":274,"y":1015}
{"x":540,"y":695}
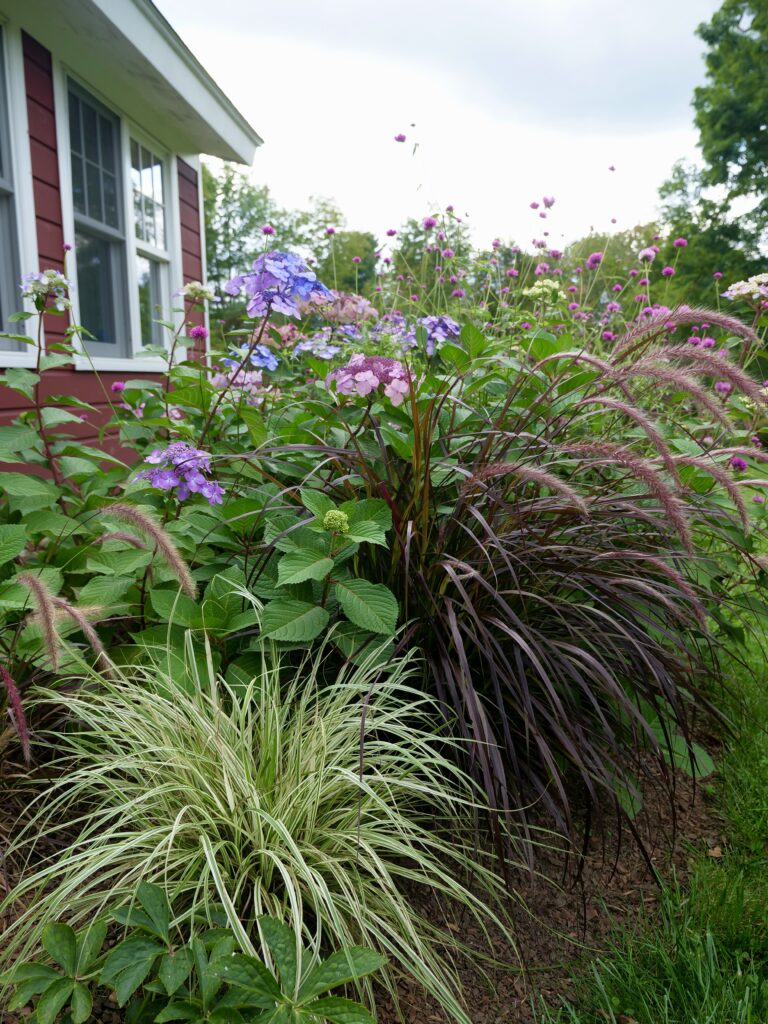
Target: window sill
{"x":26,"y":359}
{"x":104,"y":364}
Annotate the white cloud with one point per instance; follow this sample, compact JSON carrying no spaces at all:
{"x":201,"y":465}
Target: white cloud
{"x":510,"y":101}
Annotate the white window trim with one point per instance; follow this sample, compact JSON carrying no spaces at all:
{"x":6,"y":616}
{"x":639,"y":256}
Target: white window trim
{"x":23,"y":191}
{"x":137,"y":363}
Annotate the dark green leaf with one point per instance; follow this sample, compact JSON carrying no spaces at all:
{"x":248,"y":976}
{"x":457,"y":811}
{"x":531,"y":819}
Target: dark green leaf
{"x":281,"y":941}
{"x":136,"y":948}
{"x":250,"y":975}
{"x":154,"y":901}
{"x":82,"y":1003}
{"x":316,"y":502}
{"x":340,"y":1011}
{"x":296,"y":621}
{"x":53,"y":999}
{"x":89,"y":943}
{"x":341,"y":967}
{"x":13,"y":540}
{"x":302,"y":564}
{"x":371,"y":606}
{"x":60,"y":943}
{"x":174,"y":969}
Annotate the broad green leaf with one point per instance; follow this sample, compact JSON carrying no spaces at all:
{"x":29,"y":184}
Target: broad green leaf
{"x":13,"y":540}
{"x":225,"y":1015}
{"x":29,"y":984}
{"x":316,"y":502}
{"x":129,"y":980}
{"x":177,"y":1011}
{"x":74,"y":468}
{"x":137,"y":948}
{"x":22,"y":485}
{"x":366,"y":532}
{"x":254,"y":422}
{"x":297,"y":566}
{"x":281,"y":941}
{"x":361,"y":646}
{"x":174,"y":969}
{"x":105,"y":590}
{"x":370,"y":606}
{"x":49,"y":362}
{"x":154,"y":901}
{"x":172,"y":606}
{"x":296,"y":621}
{"x":53,"y":416}
{"x":679,"y":756}
{"x":60,"y":943}
{"x":89,"y":943}
{"x":341,"y":967}
{"x":16,"y":439}
{"x":456,"y":356}
{"x":250,"y":975}
{"x":340,"y":1011}
{"x":81,"y":1004}
{"x":119,"y":563}
{"x":21,"y":380}
{"x":55,"y":997}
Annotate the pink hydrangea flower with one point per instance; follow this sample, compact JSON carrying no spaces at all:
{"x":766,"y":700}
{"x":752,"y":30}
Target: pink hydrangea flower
{"x":365,"y":374}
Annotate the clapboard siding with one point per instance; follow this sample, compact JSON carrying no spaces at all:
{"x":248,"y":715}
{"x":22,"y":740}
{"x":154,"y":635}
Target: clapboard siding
{"x":191,"y":241}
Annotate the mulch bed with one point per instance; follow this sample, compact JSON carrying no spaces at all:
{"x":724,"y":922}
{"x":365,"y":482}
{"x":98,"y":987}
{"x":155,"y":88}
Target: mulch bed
{"x":567,"y":916}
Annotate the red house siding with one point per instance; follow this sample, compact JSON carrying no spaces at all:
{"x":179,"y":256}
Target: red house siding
{"x":41,"y":113}
{"x":191,"y":241}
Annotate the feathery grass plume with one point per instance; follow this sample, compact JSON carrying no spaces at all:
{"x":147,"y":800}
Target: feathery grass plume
{"x":717,"y":366}
{"x":45,"y":614}
{"x":643,"y":332}
{"x":532,"y":474}
{"x":124,"y":535}
{"x":649,"y":475}
{"x":146,"y":525}
{"x":724,"y":478}
{"x":16,"y":710}
{"x":682,"y":381}
{"x":78,"y":616}
{"x":613,"y":373}
{"x":671,"y":574}
{"x":644,"y":422}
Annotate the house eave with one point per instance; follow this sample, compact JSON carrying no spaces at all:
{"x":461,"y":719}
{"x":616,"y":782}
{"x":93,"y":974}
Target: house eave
{"x":128,"y":53}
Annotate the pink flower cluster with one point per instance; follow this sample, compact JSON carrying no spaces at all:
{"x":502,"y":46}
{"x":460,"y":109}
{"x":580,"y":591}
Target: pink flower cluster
{"x":364,"y":374}
{"x":340,"y":308}
{"x":248,"y":384}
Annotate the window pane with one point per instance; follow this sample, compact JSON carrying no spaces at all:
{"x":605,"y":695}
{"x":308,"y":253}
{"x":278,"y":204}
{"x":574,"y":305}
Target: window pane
{"x":147,"y":183}
{"x":111,"y":215}
{"x":75,"y":135}
{"x":96,"y":286}
{"x":78,"y":184}
{"x":107,"y":138}
{"x":90,"y":132}
{"x":93,"y":190}
{"x":150,"y":299}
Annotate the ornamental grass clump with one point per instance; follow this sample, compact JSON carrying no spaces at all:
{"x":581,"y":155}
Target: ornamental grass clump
{"x":260,"y":797}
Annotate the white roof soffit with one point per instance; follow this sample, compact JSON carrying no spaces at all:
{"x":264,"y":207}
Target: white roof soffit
{"x":128,"y":52}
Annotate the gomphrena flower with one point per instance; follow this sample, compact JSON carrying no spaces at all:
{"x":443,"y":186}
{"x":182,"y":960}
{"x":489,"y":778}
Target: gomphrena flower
{"x":278,"y":281}
{"x":647,"y":255}
{"x":260,"y":356}
{"x":184,"y":468}
{"x":45,"y":285}
{"x":594,"y":260}
{"x":364,"y":374}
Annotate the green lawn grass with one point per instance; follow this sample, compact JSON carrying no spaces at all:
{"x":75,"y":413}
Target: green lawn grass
{"x":703,"y":958}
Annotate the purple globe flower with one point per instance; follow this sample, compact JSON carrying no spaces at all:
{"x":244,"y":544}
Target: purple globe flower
{"x":680,"y":243}
{"x":739,"y":465}
{"x":428,"y":223}
{"x":594,"y":260}
{"x":400,"y":137}
{"x":668,"y":272}
{"x":267,"y":230}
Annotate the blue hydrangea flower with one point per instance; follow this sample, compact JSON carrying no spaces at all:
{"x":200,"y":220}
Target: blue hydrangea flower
{"x":278,"y":281}
{"x":261,"y":356}
{"x":184,"y":468}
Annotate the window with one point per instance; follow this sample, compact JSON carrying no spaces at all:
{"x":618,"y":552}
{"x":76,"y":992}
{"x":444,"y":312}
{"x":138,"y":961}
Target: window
{"x":149,"y":216}
{"x":9,"y":263}
{"x":100,"y":243}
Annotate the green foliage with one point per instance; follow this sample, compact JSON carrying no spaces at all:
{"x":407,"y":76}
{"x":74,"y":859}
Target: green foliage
{"x":156,"y":976}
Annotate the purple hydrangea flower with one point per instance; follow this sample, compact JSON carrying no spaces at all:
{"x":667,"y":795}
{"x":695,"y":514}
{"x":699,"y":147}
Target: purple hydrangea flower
{"x":183,"y":468}
{"x":277,"y":282}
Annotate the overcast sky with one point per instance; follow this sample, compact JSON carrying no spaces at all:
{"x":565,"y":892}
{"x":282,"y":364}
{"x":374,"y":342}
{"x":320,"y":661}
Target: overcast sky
{"x":505,"y":101}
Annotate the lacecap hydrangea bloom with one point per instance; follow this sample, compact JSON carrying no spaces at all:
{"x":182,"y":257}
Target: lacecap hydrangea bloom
{"x":195,"y":291}
{"x":248,"y":384}
{"x":259,"y":356}
{"x":47,"y":284}
{"x":754,"y":289}
{"x":278,"y":282}
{"x":365,"y":374}
{"x":183,"y":468}
{"x":439,"y":329}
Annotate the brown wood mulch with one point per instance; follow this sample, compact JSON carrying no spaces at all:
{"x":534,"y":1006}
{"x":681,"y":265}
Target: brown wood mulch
{"x":566,"y":919}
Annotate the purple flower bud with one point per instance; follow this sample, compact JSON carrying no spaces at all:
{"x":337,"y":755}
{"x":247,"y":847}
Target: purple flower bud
{"x":355,"y":259}
{"x":738,"y":464}
{"x":680,"y":243}
{"x":668,"y":272}
{"x":400,"y":137}
{"x":428,"y":223}
{"x":267,"y":230}
{"x":723,"y":387}
{"x":117,"y":386}
{"x":391,"y":232}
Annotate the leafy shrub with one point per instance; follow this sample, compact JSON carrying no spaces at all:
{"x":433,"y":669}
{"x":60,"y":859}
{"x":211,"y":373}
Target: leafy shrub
{"x":159,"y":977}
{"x":324,"y":803}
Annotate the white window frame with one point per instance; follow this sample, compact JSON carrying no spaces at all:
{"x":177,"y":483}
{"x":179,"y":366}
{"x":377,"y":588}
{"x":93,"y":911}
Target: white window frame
{"x":137,"y":362}
{"x":21,"y":173}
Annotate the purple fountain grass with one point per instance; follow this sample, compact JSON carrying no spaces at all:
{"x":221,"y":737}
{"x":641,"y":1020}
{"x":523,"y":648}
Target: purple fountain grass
{"x":648,"y":474}
{"x":644,"y":332}
{"x":45,"y":614}
{"x":724,"y":478}
{"x":716,"y":366}
{"x":644,"y":422}
{"x":17,"y":715}
{"x":146,"y":525}
{"x":79,"y":617}
{"x":528,"y":474}
{"x":682,"y":381}
{"x":123,"y":535}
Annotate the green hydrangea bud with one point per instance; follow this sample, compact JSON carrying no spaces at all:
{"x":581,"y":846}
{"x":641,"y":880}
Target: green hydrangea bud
{"x":336,"y":522}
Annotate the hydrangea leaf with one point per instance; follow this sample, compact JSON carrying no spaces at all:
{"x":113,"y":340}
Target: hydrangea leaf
{"x":13,"y":540}
{"x":295,"y":621}
{"x":302,"y":564}
{"x":370,"y":606}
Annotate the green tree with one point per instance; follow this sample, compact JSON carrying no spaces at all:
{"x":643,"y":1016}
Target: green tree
{"x":339,"y":267}
{"x":732,"y":106}
{"x":235,"y":211}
